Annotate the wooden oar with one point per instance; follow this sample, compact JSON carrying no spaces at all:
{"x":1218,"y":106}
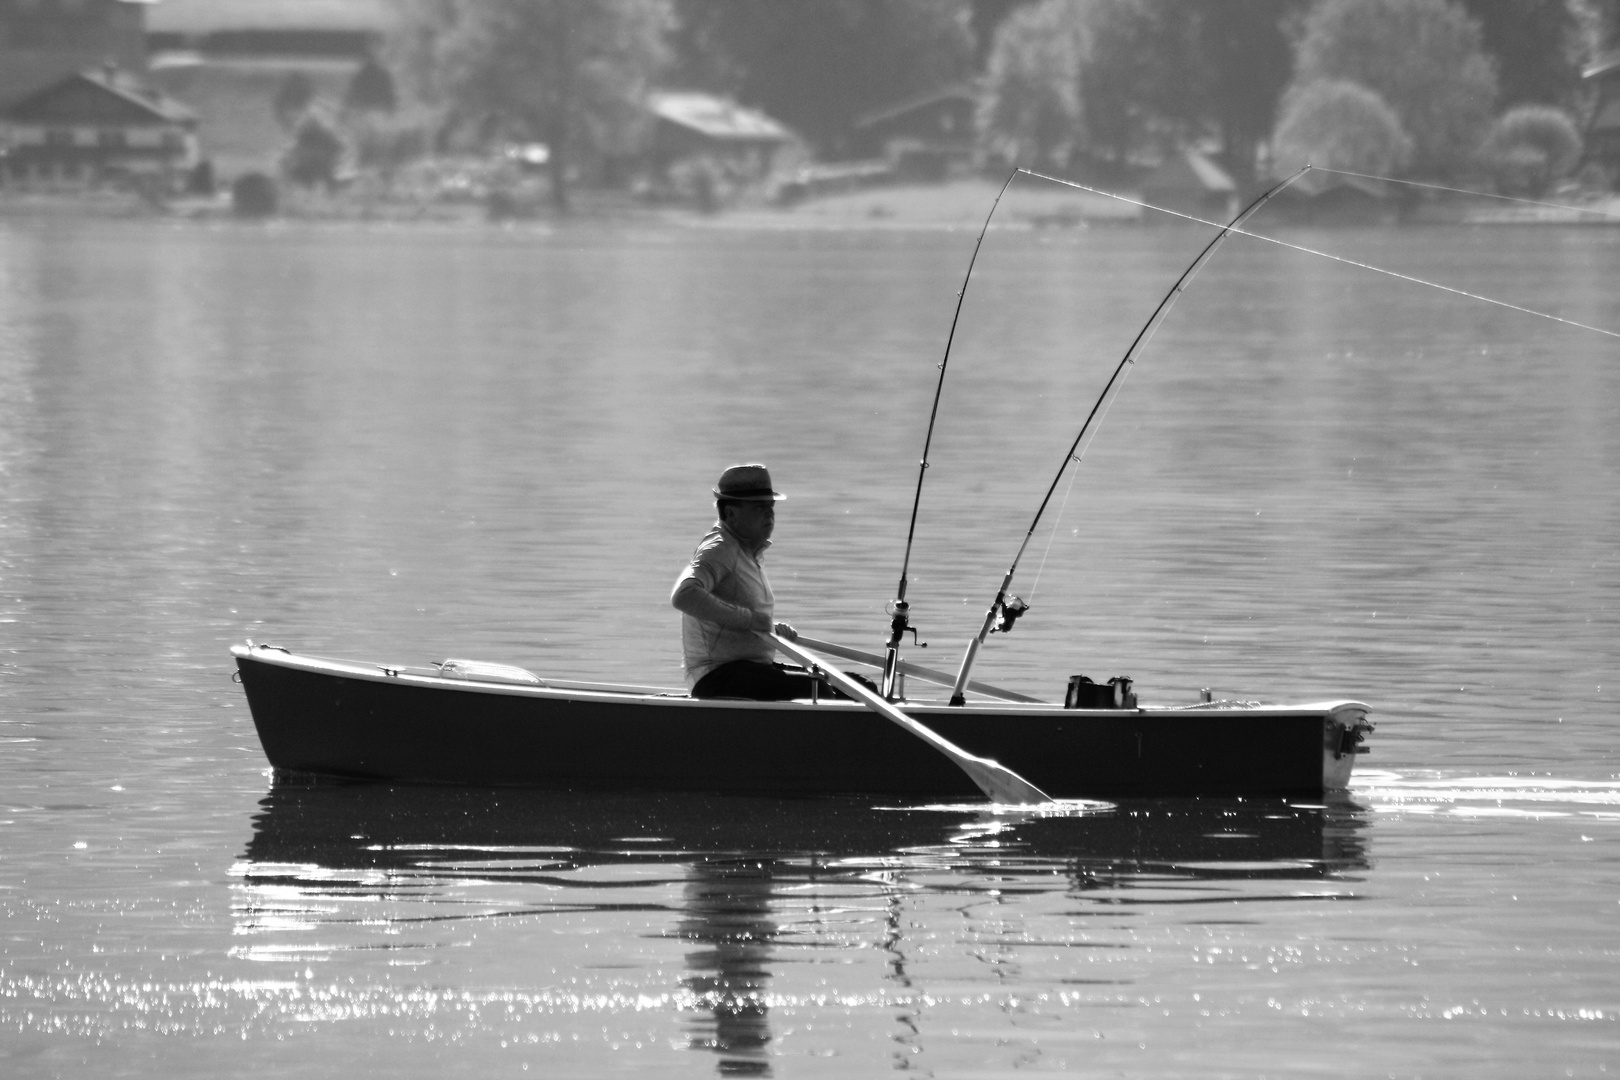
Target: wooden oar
{"x":916,"y":671}
{"x":999,"y":783}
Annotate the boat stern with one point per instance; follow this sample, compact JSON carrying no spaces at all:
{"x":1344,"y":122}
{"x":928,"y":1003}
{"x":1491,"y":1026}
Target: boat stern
{"x":1344,"y":730}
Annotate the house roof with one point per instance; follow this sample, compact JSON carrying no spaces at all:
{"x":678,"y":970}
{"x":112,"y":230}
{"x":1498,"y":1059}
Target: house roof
{"x":216,"y":16}
{"x":716,"y":117}
{"x":61,"y":101}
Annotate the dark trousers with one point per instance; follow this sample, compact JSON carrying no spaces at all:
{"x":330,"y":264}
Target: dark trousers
{"x":759,"y":681}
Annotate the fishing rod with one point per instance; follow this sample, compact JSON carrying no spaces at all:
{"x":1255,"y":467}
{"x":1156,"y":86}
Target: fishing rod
{"x":1004,"y":610}
{"x":899,"y":611}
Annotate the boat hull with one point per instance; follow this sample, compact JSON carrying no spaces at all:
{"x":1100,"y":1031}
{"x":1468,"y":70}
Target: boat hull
{"x":346,"y":719}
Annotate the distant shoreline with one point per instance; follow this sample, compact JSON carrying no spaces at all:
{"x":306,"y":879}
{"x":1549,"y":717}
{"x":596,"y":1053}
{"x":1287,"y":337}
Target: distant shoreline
{"x":951,"y":205}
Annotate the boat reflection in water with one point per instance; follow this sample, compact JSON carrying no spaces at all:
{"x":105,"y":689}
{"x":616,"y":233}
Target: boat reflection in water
{"x":573,"y":902}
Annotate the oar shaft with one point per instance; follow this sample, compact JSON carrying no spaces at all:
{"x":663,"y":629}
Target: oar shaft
{"x":998,"y":782}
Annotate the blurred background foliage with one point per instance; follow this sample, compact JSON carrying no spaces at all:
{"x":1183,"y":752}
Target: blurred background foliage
{"x":1448,"y":90}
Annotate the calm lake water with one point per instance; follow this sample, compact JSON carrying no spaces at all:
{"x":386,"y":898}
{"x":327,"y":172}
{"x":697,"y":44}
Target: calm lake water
{"x":411,"y":443}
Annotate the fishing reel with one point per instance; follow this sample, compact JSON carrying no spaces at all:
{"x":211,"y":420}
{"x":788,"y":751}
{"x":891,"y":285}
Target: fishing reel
{"x":1007,"y":613}
{"x":899,"y":613}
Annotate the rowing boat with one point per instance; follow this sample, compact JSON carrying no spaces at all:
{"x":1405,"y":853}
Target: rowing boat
{"x":488,"y":724}
{"x":463,"y":722}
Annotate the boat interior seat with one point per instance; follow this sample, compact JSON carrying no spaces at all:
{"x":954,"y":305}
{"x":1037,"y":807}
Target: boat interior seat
{"x":483,"y":671}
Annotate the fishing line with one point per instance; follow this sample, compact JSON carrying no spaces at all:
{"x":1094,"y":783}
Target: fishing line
{"x":1074,"y":474}
{"x":1328,"y":255}
{"x":1040,"y":568}
{"x":1464,"y":191}
{"x":1063,"y":505}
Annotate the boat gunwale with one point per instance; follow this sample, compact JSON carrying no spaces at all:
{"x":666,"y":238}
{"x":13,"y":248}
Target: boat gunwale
{"x":405,"y":675}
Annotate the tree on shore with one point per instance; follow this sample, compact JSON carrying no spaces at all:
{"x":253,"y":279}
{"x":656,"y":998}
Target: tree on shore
{"x":316,"y":153}
{"x":293,"y":98}
{"x":571,"y":74}
{"x":1531,"y":147}
{"x":1031,"y":111}
{"x":1249,"y":62}
{"x":1335,"y":124}
{"x":371,"y":90}
{"x":1138,"y":80}
{"x":1422,"y":57}
{"x":1538,"y":46}
{"x":1146,"y":75}
{"x":1600,"y":21}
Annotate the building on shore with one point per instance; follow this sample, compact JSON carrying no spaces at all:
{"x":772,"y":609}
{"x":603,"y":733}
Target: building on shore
{"x":1189,"y":182}
{"x":688,"y":123}
{"x":238,"y":63}
{"x":44,"y":41}
{"x":1326,"y":198}
{"x":711,"y":144}
{"x":926,"y":137}
{"x":97,"y":128}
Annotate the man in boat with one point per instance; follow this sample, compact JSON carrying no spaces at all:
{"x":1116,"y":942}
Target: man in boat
{"x":725,"y":600}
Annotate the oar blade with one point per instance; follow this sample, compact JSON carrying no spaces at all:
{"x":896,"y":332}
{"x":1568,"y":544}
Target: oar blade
{"x":1000,"y":784}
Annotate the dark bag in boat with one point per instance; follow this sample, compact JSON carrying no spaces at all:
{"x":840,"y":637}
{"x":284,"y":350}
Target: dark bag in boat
{"x":1116,"y":693}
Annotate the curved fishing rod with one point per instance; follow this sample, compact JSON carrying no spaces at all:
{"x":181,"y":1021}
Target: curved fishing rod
{"x":900,"y":623}
{"x":1004,"y":611}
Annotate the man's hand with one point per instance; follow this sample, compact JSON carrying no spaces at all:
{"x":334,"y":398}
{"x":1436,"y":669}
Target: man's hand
{"x":787,"y":631}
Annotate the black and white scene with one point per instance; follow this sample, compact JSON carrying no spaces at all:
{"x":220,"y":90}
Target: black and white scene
{"x":809,"y":539}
